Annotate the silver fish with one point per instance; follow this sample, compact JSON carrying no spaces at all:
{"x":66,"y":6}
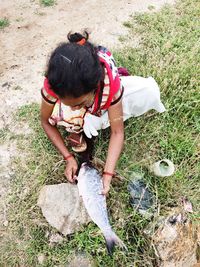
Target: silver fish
{"x":90,"y":186}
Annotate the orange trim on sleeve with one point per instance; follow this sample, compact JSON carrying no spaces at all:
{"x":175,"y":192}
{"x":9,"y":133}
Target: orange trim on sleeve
{"x":48,"y":89}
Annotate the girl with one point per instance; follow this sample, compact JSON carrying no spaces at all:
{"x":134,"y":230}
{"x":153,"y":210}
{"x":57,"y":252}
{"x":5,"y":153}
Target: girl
{"x":83,"y":91}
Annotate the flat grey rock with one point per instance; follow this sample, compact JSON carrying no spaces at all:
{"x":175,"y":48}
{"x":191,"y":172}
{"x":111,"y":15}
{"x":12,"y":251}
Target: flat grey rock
{"x":63,"y":208}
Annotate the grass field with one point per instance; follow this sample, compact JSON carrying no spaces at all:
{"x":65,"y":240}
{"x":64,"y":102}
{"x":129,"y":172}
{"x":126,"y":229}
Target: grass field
{"x":169,"y":51}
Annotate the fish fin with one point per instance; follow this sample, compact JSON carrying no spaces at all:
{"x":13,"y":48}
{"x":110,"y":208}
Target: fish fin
{"x":111,"y":240}
{"x":110,"y":245}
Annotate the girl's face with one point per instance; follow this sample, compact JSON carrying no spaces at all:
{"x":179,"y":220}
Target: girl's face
{"x":79,"y":102}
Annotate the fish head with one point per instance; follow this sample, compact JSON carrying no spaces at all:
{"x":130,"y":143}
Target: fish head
{"x":85,"y":167}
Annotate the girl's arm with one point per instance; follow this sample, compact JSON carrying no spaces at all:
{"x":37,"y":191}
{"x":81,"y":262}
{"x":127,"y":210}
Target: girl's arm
{"x":116,"y":142}
{"x":56,"y":138}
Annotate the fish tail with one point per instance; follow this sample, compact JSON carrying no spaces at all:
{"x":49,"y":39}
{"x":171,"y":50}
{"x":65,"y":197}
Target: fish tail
{"x":111,"y":240}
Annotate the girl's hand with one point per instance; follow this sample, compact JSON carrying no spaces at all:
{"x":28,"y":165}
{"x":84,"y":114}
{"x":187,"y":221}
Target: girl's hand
{"x":71,"y":169}
{"x":106,"y":184}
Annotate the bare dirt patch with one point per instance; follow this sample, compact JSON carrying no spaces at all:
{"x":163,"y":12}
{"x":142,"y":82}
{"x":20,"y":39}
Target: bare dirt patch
{"x":35,"y":30}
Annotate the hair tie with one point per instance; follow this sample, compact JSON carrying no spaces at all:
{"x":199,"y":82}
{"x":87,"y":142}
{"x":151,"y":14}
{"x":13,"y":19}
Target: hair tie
{"x":82,"y":41}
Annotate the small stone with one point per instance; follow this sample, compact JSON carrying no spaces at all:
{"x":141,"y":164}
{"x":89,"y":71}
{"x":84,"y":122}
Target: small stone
{"x":47,"y":234}
{"x":187,"y":205}
{"x":5,"y":84}
{"x":56,"y":238}
{"x":41,"y":258}
{"x":5,"y":223}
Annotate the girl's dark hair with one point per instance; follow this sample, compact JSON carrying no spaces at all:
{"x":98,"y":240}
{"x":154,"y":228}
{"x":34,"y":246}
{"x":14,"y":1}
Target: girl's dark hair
{"x":74,"y":69}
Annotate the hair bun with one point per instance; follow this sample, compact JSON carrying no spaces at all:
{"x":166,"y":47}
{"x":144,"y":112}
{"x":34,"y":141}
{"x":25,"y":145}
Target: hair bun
{"x":76,"y":37}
